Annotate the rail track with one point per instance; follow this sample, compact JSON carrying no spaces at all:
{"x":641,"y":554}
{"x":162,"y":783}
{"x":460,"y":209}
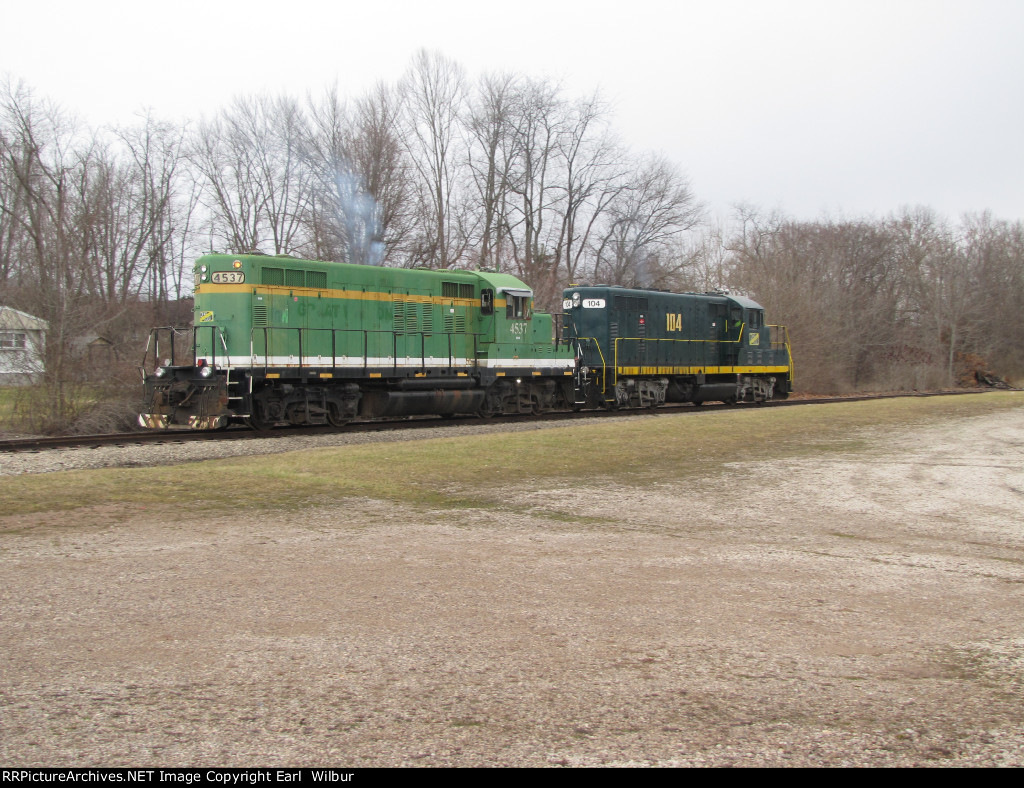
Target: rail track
{"x":38,"y":444}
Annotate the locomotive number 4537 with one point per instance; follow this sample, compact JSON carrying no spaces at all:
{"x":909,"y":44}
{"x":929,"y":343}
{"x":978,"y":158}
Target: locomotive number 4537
{"x":228,"y":278}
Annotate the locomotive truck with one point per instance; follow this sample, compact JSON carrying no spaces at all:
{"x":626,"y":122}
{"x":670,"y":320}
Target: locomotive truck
{"x":279,"y":340}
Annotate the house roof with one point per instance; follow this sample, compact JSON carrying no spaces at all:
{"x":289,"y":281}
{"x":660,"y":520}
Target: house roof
{"x":11,"y":318}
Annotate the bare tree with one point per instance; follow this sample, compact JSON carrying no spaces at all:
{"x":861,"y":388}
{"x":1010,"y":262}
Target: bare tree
{"x":433,"y":91}
{"x":14,"y":239}
{"x":699,"y":262}
{"x":490,"y":157}
{"x":129,"y":203}
{"x":362,"y":186}
{"x":48,"y":163}
{"x":380,"y":160}
{"x":594,"y":177}
{"x":257,"y":188}
{"x":936,"y":281}
{"x":535,"y":126}
{"x":654,"y":207}
{"x":994,"y":251}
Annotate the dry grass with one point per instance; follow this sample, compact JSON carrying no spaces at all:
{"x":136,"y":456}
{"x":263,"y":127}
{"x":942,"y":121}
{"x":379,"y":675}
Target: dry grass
{"x":464,"y":471}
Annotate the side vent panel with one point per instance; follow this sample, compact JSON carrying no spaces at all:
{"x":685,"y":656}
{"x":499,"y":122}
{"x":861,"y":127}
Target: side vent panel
{"x":272,"y":276}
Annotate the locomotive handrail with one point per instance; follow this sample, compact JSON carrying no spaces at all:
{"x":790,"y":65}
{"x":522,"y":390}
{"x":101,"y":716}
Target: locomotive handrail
{"x":702,"y":362}
{"x":604,"y":364}
{"x":705,"y":342}
{"x":615,"y":377}
{"x":213,"y":343}
{"x":785,"y":343}
{"x":269,"y":331}
{"x":194,"y":332}
{"x":155,"y":334}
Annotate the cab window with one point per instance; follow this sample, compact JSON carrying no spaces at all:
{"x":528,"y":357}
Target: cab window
{"x":517,"y":307}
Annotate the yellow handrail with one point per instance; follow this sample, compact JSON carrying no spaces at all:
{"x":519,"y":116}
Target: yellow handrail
{"x":789,"y":352}
{"x":604,"y":364}
{"x":739,"y":338}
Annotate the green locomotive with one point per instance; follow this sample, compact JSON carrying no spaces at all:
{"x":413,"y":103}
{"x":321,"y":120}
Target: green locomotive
{"x":279,"y":340}
{"x":642,"y":348}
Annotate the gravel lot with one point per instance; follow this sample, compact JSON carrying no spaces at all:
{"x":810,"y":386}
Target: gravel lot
{"x":866,"y":609}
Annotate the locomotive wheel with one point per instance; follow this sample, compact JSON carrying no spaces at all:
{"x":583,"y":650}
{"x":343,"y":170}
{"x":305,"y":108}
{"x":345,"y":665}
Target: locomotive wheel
{"x":335,"y":419}
{"x":491,"y":406}
{"x":487,"y":411}
{"x":257,"y":420}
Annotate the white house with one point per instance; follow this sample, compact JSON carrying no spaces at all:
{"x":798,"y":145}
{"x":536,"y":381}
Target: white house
{"x":21,"y":346}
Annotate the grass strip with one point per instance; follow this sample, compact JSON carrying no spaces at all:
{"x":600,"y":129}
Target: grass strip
{"x":465,"y":471}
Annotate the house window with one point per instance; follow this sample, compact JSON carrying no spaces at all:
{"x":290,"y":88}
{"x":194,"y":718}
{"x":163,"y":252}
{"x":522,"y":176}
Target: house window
{"x":13,"y":340}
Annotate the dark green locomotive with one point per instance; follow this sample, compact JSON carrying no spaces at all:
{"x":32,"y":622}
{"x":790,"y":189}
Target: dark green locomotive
{"x":279,"y":340}
{"x":642,"y":348}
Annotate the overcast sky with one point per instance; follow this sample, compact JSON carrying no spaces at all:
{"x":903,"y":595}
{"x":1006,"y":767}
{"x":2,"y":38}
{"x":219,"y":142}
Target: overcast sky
{"x":844,"y":108}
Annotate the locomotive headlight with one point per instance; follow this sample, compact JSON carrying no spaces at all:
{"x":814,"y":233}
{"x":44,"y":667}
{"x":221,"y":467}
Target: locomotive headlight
{"x":159,"y":372}
{"x":205,"y":371}
{"x":203,"y":269}
{"x":575,"y":299}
